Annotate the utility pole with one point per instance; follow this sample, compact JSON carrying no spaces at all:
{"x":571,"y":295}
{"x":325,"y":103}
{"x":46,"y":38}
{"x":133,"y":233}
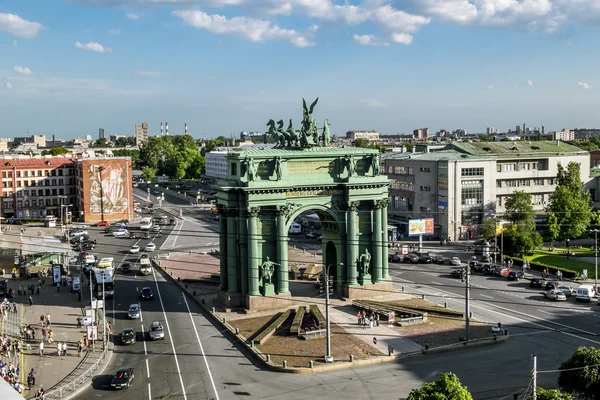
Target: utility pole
{"x":103,"y":314}
{"x":596,"y":261}
{"x":328,"y":356}
{"x":468,"y":303}
{"x":502,"y":247}
{"x":534,"y":378}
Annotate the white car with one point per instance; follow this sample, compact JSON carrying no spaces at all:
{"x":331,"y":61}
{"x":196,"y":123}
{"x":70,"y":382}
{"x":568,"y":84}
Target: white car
{"x":556,"y":295}
{"x":455,"y":261}
{"x":78,"y":232}
{"x":150,"y":247}
{"x":121,"y":233}
{"x":134,"y":249}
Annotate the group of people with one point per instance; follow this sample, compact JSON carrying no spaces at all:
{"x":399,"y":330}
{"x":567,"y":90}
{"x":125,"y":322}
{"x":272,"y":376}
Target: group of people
{"x":367,"y":319}
{"x":11,"y":374}
{"x":7,"y":306}
{"x":10,"y":348}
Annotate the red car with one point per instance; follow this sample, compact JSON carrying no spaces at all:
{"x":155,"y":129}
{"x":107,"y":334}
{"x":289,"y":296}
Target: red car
{"x":102,"y":223}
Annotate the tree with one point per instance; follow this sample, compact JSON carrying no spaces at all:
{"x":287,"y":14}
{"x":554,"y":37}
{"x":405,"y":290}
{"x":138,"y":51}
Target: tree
{"x":447,"y":387}
{"x":488,"y":229}
{"x":55,"y":151}
{"x":102,"y":142}
{"x":519,"y":242}
{"x":543,"y":394}
{"x":519,"y":211}
{"x":148,"y":172}
{"x":580,"y":374}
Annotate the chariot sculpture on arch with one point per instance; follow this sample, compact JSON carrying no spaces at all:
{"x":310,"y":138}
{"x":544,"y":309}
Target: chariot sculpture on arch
{"x":308,"y":135}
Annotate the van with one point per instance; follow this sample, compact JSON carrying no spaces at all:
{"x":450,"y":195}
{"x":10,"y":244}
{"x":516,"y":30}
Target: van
{"x":145,"y":267}
{"x":76,"y":284}
{"x":585,"y":293}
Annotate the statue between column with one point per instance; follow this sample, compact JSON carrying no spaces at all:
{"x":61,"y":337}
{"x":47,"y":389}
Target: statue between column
{"x":267,"y":269}
{"x":364,"y":262}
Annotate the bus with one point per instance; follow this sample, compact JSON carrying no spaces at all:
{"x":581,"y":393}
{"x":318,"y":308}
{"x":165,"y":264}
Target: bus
{"x":102,"y":279}
{"x":295,"y":228}
{"x":146,"y":223}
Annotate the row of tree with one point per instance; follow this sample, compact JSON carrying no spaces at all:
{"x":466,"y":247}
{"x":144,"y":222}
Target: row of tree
{"x":570,"y":215}
{"x":579,"y":375}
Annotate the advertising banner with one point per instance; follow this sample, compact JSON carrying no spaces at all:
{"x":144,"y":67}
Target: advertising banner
{"x":56,"y":273}
{"x":418,"y":227}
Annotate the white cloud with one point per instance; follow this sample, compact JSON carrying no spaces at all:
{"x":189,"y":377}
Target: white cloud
{"x":249,"y":28}
{"x":490,"y":87}
{"x":150,"y":74}
{"x":93,"y":46}
{"x":373,"y":103}
{"x":8,"y":85}
{"x":22,"y":70}
{"x":529,"y":82}
{"x":584,"y":85}
{"x":402,"y":38}
{"x":114,"y":31}
{"x":15,"y":43}
{"x":132,"y":16}
{"x":369,"y":40}
{"x":18,"y":26}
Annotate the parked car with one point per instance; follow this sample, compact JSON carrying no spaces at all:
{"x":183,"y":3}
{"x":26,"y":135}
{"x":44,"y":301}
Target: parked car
{"x":133,"y":236}
{"x":424,"y":258}
{"x":537,"y":282}
{"x":556,"y":295}
{"x":126,"y":267}
{"x":122,"y":378}
{"x":455,"y":261}
{"x":102,"y":223}
{"x":476,"y":266}
{"x":438,"y":259}
{"x":504,"y":272}
{"x":512,"y":276}
{"x":121,"y":233}
{"x":128,"y":336}
{"x":458,"y":273}
{"x":567,"y":290}
{"x":393,"y":258}
{"x":411,"y":258}
{"x":156,"y":331}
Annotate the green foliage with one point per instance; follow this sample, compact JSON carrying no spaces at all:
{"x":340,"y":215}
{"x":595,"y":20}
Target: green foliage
{"x":488,"y":229}
{"x":133,"y":153}
{"x":543,"y":394}
{"x":519,"y":243}
{"x":174,"y":156}
{"x":447,"y":387}
{"x":570,"y":205}
{"x":55,"y":151}
{"x":125,"y":141}
{"x":580,"y":374}
{"x":148,"y":172}
{"x":519,"y":211}
{"x":210,"y":145}
{"x":102,"y":142}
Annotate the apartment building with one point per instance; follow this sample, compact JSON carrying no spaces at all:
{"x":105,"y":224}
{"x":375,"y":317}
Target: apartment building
{"x":36,"y":187}
{"x":468,"y":182}
{"x":372,"y":136}
{"x":141,"y":133}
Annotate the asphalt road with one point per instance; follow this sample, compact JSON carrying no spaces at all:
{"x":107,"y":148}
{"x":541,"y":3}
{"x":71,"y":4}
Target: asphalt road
{"x":196,"y":360}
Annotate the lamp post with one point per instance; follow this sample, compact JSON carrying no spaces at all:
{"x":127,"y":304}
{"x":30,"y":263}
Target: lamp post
{"x":328,"y":356}
{"x":103,"y":313}
{"x":100,"y":169}
{"x":467,"y":281}
{"x":596,"y":259}
{"x":62,"y":198}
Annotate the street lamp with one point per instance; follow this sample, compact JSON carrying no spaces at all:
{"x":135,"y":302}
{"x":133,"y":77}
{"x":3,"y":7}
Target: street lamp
{"x":596,"y":259}
{"x":467,"y":302}
{"x":328,"y":356}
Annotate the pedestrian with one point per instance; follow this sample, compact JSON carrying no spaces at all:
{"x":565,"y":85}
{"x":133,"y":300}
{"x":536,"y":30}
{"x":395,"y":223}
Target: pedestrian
{"x":79,"y":348}
{"x":42,"y":319}
{"x":20,"y":290}
{"x":30,"y":301}
{"x":358,"y":317}
{"x":59,"y":348}
{"x":50,"y":336}
{"x":32,"y":376}
{"x":37,"y":290}
{"x":44,"y":332}
{"x":371,"y":322}
{"x":33,"y":333}
{"x":41,"y":349}
{"x":78,"y":322}
{"x":48,"y":319}
{"x":377,"y":319}
{"x":64,"y":348}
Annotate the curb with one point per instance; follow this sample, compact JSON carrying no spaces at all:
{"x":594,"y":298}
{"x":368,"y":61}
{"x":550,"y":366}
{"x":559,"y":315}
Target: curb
{"x":85,"y":383}
{"x":328,"y":367}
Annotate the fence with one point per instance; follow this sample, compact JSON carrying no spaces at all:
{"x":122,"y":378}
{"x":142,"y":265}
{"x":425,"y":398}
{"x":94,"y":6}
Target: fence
{"x":69,"y":388}
{"x":11,"y":322}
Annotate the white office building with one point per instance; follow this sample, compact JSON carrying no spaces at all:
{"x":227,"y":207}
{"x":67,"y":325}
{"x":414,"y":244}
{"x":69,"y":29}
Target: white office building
{"x":216,"y":162}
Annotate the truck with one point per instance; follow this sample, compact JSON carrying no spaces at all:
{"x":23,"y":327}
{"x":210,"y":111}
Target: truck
{"x":146,"y":223}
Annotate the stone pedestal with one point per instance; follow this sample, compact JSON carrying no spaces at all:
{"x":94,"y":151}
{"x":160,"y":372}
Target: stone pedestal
{"x":369,"y":291}
{"x":229,"y":301}
{"x":268,"y":289}
{"x":365,"y":279}
{"x":262,"y":303}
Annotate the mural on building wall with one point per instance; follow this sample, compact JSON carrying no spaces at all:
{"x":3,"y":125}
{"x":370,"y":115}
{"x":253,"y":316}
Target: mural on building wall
{"x":113,"y":178}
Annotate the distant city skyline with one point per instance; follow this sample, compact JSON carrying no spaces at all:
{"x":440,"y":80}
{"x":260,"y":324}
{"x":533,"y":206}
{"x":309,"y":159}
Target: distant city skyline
{"x":71,"y":67}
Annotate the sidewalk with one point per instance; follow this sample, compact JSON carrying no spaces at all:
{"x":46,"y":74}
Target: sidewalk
{"x":64,"y":308}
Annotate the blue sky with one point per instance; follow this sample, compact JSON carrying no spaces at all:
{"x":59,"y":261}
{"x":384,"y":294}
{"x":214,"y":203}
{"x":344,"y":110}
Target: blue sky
{"x":223,"y":66}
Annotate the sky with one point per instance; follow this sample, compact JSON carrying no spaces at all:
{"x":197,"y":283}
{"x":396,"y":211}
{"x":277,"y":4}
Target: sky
{"x":69,"y":67}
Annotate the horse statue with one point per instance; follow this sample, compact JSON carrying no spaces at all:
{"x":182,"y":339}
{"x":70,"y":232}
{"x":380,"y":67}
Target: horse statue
{"x":283,"y":132}
{"x":326,"y":133}
{"x":292,"y":133}
{"x":275,"y":134}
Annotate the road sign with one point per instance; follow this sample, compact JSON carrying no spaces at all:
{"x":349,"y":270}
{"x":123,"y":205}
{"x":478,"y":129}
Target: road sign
{"x":374,"y":340}
{"x":97,"y":304}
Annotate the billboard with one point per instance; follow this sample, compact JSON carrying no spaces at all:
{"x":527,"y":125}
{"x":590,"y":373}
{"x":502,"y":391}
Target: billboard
{"x":418,"y":227}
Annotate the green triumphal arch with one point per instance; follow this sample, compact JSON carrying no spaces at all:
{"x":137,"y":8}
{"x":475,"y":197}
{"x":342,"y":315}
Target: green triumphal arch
{"x":268,"y":187}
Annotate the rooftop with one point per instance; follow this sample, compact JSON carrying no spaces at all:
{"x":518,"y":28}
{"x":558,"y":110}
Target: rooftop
{"x":300,"y":152}
{"x":518,"y":148}
{"x":444,"y":155}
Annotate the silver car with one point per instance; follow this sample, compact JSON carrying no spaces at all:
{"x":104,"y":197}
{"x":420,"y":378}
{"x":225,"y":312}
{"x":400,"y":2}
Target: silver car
{"x":156,"y":331}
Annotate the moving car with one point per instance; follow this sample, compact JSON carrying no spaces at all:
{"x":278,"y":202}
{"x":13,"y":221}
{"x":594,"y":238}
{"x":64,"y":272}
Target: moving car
{"x":556,"y":295}
{"x":126,"y":267}
{"x":155,"y":228}
{"x":424,"y":258}
{"x":458,"y":273}
{"x":150,"y":247}
{"x":78,"y":232}
{"x":455,"y":261}
{"x":147,"y":294}
{"x":128,"y":336}
{"x":122,"y":378}
{"x":567,"y":290}
{"x":585,"y":293}
{"x":156,"y":331}
{"x":134,"y":311}
{"x":393,"y":258}
{"x":121,"y":233}
{"x":144,"y":255}
{"x":512,"y":276}
{"x":102,"y":223}
{"x":537,"y":282}
{"x":438,"y":259}
{"x":156,"y":191}
{"x":550,"y":285}
{"x":133,"y":236}
{"x":134,"y":249}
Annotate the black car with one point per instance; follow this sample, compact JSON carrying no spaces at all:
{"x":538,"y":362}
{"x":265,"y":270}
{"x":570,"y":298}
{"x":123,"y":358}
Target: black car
{"x":122,"y":378}
{"x":126,"y":267}
{"x":393,"y":258}
{"x":438,"y":259}
{"x":458,"y":273}
{"x":512,"y":276}
{"x":411,"y":258}
{"x":424,"y":258}
{"x":128,"y":336}
{"x":147,"y":294}
{"x":551,"y":285}
{"x":133,"y":236}
{"x":476,"y":266}
{"x":537,"y":282}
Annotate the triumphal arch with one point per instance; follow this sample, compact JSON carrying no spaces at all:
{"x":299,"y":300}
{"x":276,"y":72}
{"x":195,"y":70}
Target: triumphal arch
{"x":268,"y":187}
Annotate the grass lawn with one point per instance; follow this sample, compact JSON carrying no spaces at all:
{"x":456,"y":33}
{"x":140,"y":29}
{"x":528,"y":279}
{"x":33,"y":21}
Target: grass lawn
{"x":559,"y":260}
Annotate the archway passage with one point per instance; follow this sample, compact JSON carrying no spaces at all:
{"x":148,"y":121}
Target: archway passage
{"x":267,"y":189}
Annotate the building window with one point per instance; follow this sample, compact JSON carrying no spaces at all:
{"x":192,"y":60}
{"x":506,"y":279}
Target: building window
{"x":53,"y":172}
{"x":54,"y":202}
{"x":26,"y":183}
{"x":537,"y":199}
{"x":499,"y":201}
{"x":538,"y":181}
{"x":18,"y":183}
{"x":593,"y":194}
{"x":33,"y":193}
{"x":53,"y":182}
{"x":47,"y":173}
{"x":48,"y":202}
{"x":233,"y":169}
{"x":472,"y":172}
{"x":47,"y":192}
{"x":61,"y":191}
{"x":47,"y":182}
{"x":4,"y":174}
{"x":33,"y":203}
{"x":60,"y":172}
{"x":425,"y":169}
{"x":551,"y":181}
{"x":71,"y":190}
{"x":60,"y":182}
{"x":18,"y":174}
{"x":9,"y":174}
{"x":525,"y":166}
{"x":54,"y":193}
{"x":19,"y":204}
{"x":524,"y":182}
{"x":511,"y":183}
{"x":509,"y":167}
{"x":403,"y":170}
{"x":498,"y":184}
{"x":402,"y":185}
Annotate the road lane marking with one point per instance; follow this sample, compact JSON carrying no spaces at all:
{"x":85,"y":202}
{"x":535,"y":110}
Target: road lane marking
{"x":149,"y":392}
{"x":144,"y":337}
{"x":170,"y":336}
{"x":544,"y":312}
{"x":148,"y":368}
{"x":581,"y":337}
{"x":201,"y":348}
{"x":485,"y":295}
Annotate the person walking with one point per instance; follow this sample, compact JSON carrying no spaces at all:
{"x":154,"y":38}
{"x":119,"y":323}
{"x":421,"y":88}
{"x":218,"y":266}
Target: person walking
{"x":48,"y":319}
{"x":358,"y":317}
{"x":371,"y":322}
{"x":64,"y":348}
{"x":78,"y":322}
{"x":30,"y":301}
{"x":377,"y":319}
{"x":59,"y":349}
{"x":32,"y":377}
{"x":41,"y":349}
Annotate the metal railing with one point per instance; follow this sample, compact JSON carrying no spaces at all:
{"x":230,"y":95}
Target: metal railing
{"x":69,"y":388}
